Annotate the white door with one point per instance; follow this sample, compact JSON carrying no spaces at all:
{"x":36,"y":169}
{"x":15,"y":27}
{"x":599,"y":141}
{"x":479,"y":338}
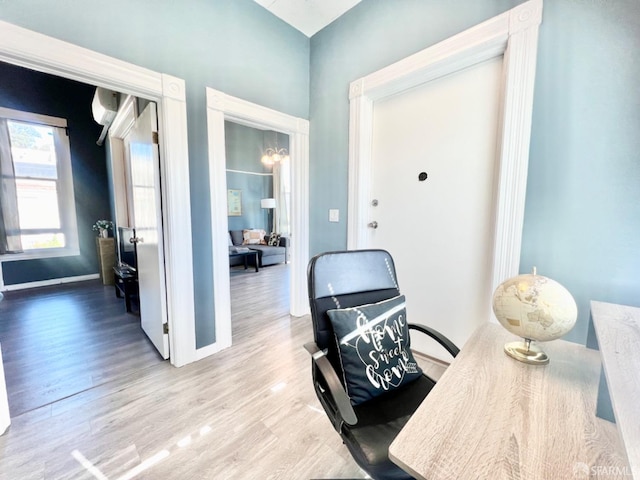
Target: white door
{"x":434,"y":168}
{"x":141,"y":143}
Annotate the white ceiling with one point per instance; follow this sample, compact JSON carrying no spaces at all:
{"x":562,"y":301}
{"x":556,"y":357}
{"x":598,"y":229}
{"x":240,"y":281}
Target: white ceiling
{"x":308,"y":16}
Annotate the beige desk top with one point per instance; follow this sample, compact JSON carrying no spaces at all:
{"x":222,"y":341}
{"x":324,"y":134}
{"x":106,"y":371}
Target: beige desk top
{"x":618,"y":331}
{"x":491,"y":417}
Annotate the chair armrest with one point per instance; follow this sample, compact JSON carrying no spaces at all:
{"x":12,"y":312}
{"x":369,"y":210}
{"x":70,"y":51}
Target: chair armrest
{"x":438,"y":337}
{"x":333,"y":382}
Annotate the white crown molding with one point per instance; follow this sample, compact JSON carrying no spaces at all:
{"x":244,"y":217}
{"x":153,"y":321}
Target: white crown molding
{"x":524,"y":16}
{"x":26,"y":48}
{"x":174,"y":88}
{"x":246,"y":113}
{"x":46,"y":54}
{"x":512,"y":35}
{"x":477,"y":44}
{"x":221,"y":107}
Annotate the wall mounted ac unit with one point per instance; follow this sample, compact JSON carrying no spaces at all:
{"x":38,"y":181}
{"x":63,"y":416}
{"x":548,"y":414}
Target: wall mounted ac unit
{"x":104,"y":108}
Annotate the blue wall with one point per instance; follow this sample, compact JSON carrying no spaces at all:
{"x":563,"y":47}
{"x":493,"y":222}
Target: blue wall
{"x":26,"y":90}
{"x":231,"y":45}
{"x":582,"y":218}
{"x":245,"y":146}
{"x":582,"y":221}
{"x":370,"y":36}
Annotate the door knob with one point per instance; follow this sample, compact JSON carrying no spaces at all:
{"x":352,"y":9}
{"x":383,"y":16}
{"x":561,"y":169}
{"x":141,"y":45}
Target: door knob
{"x":373,"y":225}
{"x":136,"y":240}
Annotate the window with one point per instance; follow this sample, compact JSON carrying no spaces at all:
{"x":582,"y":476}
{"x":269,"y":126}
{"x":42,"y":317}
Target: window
{"x":37,"y":206}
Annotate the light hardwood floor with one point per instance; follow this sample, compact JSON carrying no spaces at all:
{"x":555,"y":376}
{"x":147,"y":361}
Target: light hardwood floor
{"x":248,"y":412}
{"x":58,"y":341}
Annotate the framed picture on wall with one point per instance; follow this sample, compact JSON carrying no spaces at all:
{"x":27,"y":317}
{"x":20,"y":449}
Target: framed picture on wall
{"x":234,"y":203}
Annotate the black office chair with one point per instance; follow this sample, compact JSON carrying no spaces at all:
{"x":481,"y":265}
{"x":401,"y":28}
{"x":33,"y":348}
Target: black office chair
{"x":339,"y":281}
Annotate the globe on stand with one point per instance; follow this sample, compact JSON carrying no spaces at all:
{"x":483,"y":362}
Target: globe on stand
{"x":535,"y":308}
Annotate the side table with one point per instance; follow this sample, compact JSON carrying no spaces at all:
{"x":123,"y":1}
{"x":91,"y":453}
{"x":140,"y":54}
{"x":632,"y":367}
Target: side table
{"x":126,"y":284}
{"x":245,"y":256}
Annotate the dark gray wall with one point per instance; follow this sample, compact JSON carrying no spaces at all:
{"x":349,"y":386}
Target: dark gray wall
{"x":582,"y":218}
{"x":26,"y":90}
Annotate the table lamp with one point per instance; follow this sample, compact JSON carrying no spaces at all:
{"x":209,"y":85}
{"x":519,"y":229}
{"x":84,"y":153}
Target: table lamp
{"x":535,"y":308}
{"x":270,"y":204}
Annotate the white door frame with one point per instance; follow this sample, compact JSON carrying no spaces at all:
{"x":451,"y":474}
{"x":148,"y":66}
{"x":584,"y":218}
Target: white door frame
{"x":221,"y":107}
{"x":514,"y":35}
{"x":26,"y":48}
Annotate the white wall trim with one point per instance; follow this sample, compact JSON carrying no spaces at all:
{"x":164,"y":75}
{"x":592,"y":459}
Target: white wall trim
{"x":52,"y":281}
{"x":13,"y":114}
{"x":250,"y":173}
{"x":125,"y":118}
{"x":514,"y":35}
{"x":40,"y":253}
{"x":221,"y":107}
{"x":176,"y":196}
{"x":215,"y":347}
{"x":39,"y":52}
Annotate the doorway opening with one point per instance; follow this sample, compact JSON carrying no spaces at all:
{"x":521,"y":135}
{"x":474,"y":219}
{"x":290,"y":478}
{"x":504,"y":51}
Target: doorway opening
{"x":46,"y":54}
{"x":220,"y":108}
{"x":64,"y":333}
{"x":258,"y":180}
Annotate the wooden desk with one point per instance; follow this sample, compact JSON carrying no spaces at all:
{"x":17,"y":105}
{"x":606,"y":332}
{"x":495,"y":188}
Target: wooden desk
{"x":617,"y":328}
{"x":491,"y":417}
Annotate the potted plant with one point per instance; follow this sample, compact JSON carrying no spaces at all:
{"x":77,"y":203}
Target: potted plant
{"x":102,"y":227}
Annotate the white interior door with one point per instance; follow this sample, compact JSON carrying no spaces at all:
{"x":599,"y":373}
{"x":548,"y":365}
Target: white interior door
{"x":142,"y":146}
{"x":434,"y":170}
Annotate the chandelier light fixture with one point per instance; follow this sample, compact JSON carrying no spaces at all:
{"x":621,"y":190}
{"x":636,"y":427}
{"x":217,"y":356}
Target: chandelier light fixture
{"x":275,"y":155}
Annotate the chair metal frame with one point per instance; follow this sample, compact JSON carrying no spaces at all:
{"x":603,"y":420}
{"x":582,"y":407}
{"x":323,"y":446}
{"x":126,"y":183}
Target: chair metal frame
{"x":326,"y":369}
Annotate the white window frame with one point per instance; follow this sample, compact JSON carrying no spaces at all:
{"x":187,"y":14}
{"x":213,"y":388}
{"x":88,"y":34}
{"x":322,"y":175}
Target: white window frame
{"x":66,"y":195}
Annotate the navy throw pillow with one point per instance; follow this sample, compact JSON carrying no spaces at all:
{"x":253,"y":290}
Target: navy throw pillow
{"x":374,"y":346}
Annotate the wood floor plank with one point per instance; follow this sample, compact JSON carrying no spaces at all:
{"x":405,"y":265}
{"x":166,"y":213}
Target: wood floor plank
{"x":61,"y":340}
{"x":247,"y":412}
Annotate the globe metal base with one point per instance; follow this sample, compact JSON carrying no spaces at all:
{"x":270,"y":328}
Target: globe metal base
{"x":527,"y":353}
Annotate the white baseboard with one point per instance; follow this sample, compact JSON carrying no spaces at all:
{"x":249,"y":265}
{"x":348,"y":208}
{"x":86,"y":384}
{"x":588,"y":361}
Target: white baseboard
{"x":211,"y":349}
{"x":53,"y":281}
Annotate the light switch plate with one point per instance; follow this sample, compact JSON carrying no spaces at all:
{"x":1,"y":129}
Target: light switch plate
{"x":334,"y":215}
